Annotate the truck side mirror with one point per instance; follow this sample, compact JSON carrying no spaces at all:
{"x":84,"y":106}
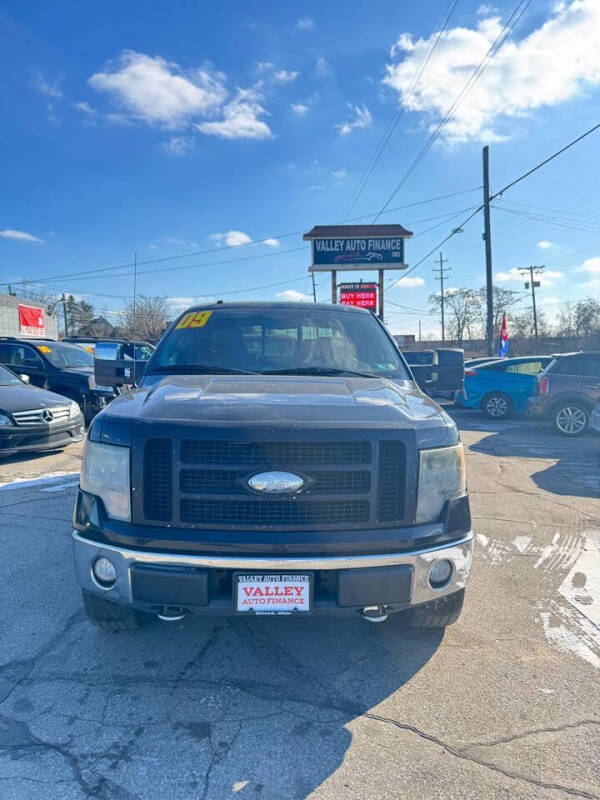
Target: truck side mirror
{"x":110,"y":366}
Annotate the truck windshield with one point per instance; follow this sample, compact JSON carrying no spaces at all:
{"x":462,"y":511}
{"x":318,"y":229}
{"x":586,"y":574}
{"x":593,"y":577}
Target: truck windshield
{"x":278,"y":341}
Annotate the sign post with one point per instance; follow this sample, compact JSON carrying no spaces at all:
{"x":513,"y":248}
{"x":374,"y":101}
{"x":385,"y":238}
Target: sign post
{"x":356,"y":248}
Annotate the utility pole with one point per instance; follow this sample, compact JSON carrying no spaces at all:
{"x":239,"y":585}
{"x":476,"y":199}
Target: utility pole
{"x":63,"y":300}
{"x":441,"y":273}
{"x":488,"y":252}
{"x":419,"y":330}
{"x":314,"y":287}
{"x":533,"y":269}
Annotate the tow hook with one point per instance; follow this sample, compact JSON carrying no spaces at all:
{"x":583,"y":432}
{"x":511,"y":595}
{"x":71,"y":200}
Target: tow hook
{"x":375,"y":613}
{"x":171,"y":613}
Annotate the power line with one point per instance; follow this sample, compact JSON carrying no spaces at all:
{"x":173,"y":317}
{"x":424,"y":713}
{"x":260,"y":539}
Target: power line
{"x":391,"y":128}
{"x":189,"y":254}
{"x":508,"y":27}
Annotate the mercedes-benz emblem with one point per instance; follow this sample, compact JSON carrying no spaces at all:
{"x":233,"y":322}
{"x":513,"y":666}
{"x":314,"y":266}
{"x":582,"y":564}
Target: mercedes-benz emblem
{"x":276,"y":482}
{"x":47,"y":415}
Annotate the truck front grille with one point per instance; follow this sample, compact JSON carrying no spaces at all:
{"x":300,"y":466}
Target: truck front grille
{"x":203,"y":483}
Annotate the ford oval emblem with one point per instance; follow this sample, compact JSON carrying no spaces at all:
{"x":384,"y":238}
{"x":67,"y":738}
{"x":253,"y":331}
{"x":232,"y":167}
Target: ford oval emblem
{"x":276,"y":482}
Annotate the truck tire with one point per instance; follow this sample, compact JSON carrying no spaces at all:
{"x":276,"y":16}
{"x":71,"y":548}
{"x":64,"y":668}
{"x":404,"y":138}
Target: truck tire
{"x":112,"y":617}
{"x":438,"y":613}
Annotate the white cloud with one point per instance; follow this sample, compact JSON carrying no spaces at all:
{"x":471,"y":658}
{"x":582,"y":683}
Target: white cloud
{"x":362,"y":118}
{"x":86,"y":108}
{"x":300,"y":109}
{"x":545,"y":245}
{"x":286,"y":76}
{"x":410,"y":283}
{"x":48,"y":86}
{"x":231,"y":238}
{"x":305,"y":24}
{"x":486,"y":9}
{"x":340,"y":175}
{"x":178,"y":145}
{"x":264,"y":66}
{"x":19,"y":236}
{"x":294,"y":296}
{"x":547,"y":278}
{"x":179,"y":304}
{"x":322,"y":67}
{"x":240,"y":119}
{"x":160,"y":92}
{"x":552,"y":64}
{"x":316,"y":187}
{"x":271,"y":242}
{"x":591,"y":266}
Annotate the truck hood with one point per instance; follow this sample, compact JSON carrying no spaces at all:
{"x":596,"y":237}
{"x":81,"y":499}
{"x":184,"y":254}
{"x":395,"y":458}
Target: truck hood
{"x":233,"y":400}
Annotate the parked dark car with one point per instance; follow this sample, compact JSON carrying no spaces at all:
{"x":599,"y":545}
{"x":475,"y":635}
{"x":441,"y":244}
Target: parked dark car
{"x":275,"y":459}
{"x":62,"y":368}
{"x":567,"y":391}
{"x":501,"y":388}
{"x":34,"y":419}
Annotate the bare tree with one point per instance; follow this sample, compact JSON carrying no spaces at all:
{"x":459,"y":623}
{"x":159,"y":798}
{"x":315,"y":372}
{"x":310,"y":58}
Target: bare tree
{"x":462,"y":311}
{"x":587,"y":317}
{"x":149,"y":320}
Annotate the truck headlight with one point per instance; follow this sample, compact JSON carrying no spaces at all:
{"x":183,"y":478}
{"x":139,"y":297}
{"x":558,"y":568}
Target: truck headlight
{"x":442,"y":476}
{"x":105,"y":473}
{"x":5,"y":420}
{"x":74,"y":409}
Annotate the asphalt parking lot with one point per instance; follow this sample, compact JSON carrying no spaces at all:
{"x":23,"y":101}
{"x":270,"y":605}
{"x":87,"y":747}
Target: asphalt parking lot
{"x":505,"y":704}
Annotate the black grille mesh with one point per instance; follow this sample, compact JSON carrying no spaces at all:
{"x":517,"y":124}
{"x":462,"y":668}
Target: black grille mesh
{"x":197,"y":481}
{"x":158,"y":472}
{"x":390,"y":496}
{"x":273,"y":512}
{"x":195,"y":451}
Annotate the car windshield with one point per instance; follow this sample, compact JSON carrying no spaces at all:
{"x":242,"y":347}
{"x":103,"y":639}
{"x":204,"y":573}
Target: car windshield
{"x":8,"y":378}
{"x":302,"y":341}
{"x":66,"y":355}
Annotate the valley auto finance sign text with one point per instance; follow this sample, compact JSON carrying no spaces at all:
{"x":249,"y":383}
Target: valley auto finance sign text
{"x":376,"y":251}
{"x":268,"y":594}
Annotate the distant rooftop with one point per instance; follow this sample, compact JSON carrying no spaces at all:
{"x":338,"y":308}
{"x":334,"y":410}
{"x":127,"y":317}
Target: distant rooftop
{"x":358,"y":231}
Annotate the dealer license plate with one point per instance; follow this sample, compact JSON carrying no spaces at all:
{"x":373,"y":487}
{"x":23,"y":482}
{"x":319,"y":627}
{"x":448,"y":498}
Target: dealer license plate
{"x":273,"y":594}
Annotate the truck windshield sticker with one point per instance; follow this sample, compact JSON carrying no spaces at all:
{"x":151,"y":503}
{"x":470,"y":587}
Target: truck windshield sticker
{"x":195,"y":319}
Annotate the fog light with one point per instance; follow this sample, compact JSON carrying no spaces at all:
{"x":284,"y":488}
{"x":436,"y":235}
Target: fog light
{"x":440,"y":573}
{"x":104,"y":572}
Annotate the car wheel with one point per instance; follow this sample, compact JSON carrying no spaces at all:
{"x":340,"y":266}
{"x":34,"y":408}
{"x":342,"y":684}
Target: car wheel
{"x":571,"y":419}
{"x":496,"y":406}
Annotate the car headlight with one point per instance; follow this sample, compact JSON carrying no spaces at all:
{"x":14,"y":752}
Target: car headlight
{"x":105,"y":473}
{"x":74,"y":409}
{"x":5,"y":420}
{"x":442,"y":476}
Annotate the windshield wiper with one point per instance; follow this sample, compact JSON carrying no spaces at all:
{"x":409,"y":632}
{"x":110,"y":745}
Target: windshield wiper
{"x":201,"y":369}
{"x":330,"y":371}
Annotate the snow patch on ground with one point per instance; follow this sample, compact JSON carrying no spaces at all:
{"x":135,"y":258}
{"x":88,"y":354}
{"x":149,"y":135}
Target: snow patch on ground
{"x":42,"y":480}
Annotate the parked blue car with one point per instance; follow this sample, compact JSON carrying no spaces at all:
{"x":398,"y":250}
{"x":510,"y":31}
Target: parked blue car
{"x":501,"y":388}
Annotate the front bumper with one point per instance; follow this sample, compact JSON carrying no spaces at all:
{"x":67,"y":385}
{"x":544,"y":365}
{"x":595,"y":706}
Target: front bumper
{"x":33,"y":438}
{"x":367,"y":580}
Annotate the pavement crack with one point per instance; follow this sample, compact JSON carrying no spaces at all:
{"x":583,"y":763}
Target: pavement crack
{"x":516,"y":736}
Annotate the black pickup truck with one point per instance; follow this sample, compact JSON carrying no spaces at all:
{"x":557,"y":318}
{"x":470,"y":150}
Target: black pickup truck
{"x":275,"y":459}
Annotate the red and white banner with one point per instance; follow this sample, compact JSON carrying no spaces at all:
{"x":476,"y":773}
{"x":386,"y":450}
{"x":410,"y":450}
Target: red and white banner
{"x":32,"y":321}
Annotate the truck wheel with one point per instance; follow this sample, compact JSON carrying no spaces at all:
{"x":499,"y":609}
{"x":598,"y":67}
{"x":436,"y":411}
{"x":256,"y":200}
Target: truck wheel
{"x":112,"y":617}
{"x":437,"y":613}
{"x":570,"y":419}
{"x":496,"y":405}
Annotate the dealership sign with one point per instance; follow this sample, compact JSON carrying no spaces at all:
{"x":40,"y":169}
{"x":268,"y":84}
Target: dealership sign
{"x":362,"y":295}
{"x":350,"y":253}
{"x":32,"y":321}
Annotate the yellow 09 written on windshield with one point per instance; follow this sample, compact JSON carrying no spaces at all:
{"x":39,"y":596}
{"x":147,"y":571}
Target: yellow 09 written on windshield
{"x":195,"y":319}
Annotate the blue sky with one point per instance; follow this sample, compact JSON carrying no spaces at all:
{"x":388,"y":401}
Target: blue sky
{"x":167,"y":129}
